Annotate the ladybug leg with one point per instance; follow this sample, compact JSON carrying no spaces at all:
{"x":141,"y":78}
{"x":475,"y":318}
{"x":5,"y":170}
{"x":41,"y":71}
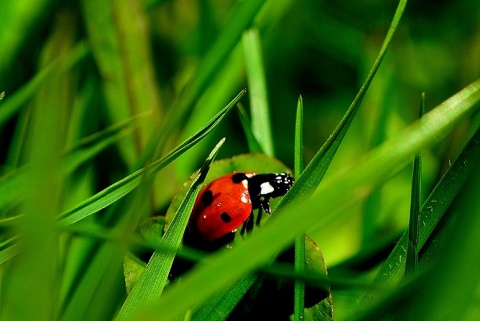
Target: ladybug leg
{"x":265,"y":206}
{"x":244,"y":227}
{"x":247,"y":225}
{"x":259,"y":216}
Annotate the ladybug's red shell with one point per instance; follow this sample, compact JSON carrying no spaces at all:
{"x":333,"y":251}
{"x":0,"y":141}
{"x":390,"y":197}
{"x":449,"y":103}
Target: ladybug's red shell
{"x":221,"y":207}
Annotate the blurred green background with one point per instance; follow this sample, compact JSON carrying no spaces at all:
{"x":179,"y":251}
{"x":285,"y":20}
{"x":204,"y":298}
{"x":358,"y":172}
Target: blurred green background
{"x":97,"y":63}
{"x":321,"y":50}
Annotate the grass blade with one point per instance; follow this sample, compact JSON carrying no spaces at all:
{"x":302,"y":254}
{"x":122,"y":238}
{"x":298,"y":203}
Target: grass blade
{"x":152,"y":281}
{"x":11,"y":183}
{"x":435,"y":294}
{"x":241,"y":18}
{"x":259,"y":106}
{"x":299,"y":138}
{"x":13,"y":103}
{"x":228,"y":76}
{"x":439,"y":296}
{"x":299,"y":287}
{"x":88,"y":298}
{"x":220,"y":306}
{"x":415,"y":205}
{"x":306,"y":184}
{"x":253,"y":145}
{"x":19,"y":21}
{"x":106,"y":51}
{"x":8,"y":249}
{"x":334,"y":197}
{"x":133,"y":36}
{"x":121,"y":188}
{"x":431,"y":213}
{"x":38,"y":241}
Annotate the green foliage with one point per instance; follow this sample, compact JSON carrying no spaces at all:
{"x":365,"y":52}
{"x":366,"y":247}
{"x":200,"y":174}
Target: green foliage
{"x":108,"y":107}
{"x":152,"y":281}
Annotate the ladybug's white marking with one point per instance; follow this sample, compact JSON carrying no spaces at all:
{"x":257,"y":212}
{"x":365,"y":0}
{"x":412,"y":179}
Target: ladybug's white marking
{"x":266,"y":188}
{"x":244,"y":198}
{"x":245,"y":184}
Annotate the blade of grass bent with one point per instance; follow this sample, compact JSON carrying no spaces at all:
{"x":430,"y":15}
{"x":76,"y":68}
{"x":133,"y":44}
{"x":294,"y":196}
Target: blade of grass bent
{"x":432,"y":211}
{"x":121,"y":188}
{"x":337,"y":194}
{"x":306,"y":183}
{"x":152,"y":281}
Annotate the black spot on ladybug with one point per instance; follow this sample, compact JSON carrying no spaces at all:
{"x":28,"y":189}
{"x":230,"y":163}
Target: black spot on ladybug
{"x":207,"y":198}
{"x":225,"y":217}
{"x":238,"y":178}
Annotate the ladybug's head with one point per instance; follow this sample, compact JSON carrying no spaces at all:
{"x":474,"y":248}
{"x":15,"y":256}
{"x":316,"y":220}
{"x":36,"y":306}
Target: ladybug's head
{"x":281,"y":184}
{"x":270,"y":185}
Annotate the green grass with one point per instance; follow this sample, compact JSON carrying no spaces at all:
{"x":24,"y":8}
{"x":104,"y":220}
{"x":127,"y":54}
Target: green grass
{"x":109,"y":110}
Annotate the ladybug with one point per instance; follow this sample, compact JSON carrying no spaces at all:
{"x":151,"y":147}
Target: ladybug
{"x":228,"y":202}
